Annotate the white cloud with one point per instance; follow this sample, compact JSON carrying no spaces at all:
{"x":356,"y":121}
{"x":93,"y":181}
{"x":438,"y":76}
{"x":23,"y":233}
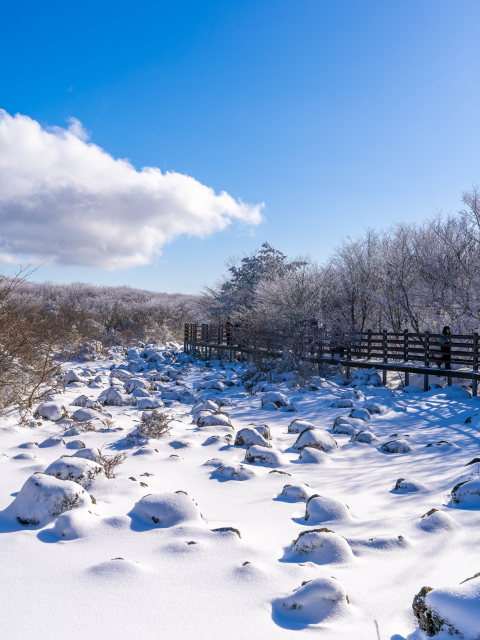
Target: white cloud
{"x":67,"y":200}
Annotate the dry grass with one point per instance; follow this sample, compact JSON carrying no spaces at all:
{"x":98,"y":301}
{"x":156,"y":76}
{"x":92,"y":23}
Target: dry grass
{"x":111,"y":463}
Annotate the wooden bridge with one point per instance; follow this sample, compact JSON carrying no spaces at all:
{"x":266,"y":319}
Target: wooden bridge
{"x":405,"y":352}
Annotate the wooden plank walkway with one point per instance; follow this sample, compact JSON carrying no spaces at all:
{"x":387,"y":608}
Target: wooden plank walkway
{"x":403,"y":352}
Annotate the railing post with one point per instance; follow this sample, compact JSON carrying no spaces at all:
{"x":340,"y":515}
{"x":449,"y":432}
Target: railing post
{"x":405,"y":356}
{"x":369,"y":344}
{"x":427,"y":359}
{"x":475,"y":363}
{"x":385,"y":357}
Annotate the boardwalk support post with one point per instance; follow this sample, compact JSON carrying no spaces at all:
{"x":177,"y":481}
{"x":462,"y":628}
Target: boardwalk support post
{"x":475,"y":363}
{"x":427,"y":360}
{"x":385,"y":357}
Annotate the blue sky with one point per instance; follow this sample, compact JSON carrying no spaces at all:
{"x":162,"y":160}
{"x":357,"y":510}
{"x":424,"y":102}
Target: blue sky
{"x":337,"y":115}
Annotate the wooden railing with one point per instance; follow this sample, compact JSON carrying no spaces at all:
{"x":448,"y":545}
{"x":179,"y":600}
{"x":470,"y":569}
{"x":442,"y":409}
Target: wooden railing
{"x":404,"y":351}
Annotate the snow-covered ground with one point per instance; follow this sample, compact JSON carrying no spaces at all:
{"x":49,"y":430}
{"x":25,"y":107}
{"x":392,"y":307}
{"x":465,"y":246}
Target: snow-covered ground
{"x":222,"y":545}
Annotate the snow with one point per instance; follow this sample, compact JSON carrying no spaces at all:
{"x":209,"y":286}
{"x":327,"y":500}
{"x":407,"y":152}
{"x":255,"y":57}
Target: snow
{"x":91,"y":561}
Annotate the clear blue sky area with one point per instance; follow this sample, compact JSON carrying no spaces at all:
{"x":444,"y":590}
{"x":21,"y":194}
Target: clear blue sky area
{"x":337,"y":114}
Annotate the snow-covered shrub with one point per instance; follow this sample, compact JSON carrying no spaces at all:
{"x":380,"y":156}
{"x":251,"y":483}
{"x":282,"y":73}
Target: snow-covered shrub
{"x":233,"y":472}
{"x":322,"y":546}
{"x":80,"y":470}
{"x":213,"y":419}
{"x":154,"y":424}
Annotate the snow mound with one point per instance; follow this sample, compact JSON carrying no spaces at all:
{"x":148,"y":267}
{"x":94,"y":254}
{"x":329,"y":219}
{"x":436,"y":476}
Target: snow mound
{"x":233,"y":472}
{"x":52,"y":442}
{"x":297,"y":426}
{"x":269,"y":406}
{"x":442,"y":446}
{"x":310,"y":455}
{"x":410,"y":389}
{"x":75,"y":444}
{"x":258,"y":454}
{"x":82,"y":401}
{"x":295,"y":493}
{"x":43,"y":497}
{"x":323,"y":546}
{"x":276,"y":398}
{"x":221,"y":440}
{"x":356,"y":423}
{"x":318,"y":600}
{"x":249,"y":436}
{"x":365,"y":437}
{"x":435,"y":521}
{"x":316,"y":439}
{"x":218,"y":385}
{"x":79,"y":470}
{"x":467,"y":493}
{"x":380,"y":543}
{"x":324,"y":509}
{"x":74,"y":524}
{"x":382,"y":392}
{"x":214,"y":419}
{"x":25,"y":456}
{"x":50,"y":411}
{"x":166,"y":509}
{"x":396,"y":446}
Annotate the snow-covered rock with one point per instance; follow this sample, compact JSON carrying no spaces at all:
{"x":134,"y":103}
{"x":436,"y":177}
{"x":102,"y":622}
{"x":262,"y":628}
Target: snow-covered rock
{"x":263,"y":429}
{"x":51,"y":411}
{"x":80,"y":470}
{"x":396,"y":446}
{"x":167,"y":509}
{"x":295,"y":493}
{"x":450,"y":611}
{"x":257,"y":454}
{"x":435,"y":521}
{"x":342,"y":404}
{"x":276,"y":398}
{"x":75,"y":444}
{"x":43,"y":497}
{"x":136,"y":383}
{"x":360,"y":414}
{"x":313,"y":602}
{"x":373,"y":408}
{"x":408,"y":486}
{"x":297,"y":426}
{"x":317,"y":439}
{"x":114,"y":398}
{"x":141,"y":393}
{"x":365,"y":437}
{"x":249,"y":436}
{"x":323,"y":509}
{"x":149,"y":403}
{"x":85,"y":415}
{"x":467,"y":493}
{"x":213,"y":419}
{"x":322,"y":546}
{"x":233,"y":472}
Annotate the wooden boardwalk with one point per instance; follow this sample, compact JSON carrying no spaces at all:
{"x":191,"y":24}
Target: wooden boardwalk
{"x":403,"y":352}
